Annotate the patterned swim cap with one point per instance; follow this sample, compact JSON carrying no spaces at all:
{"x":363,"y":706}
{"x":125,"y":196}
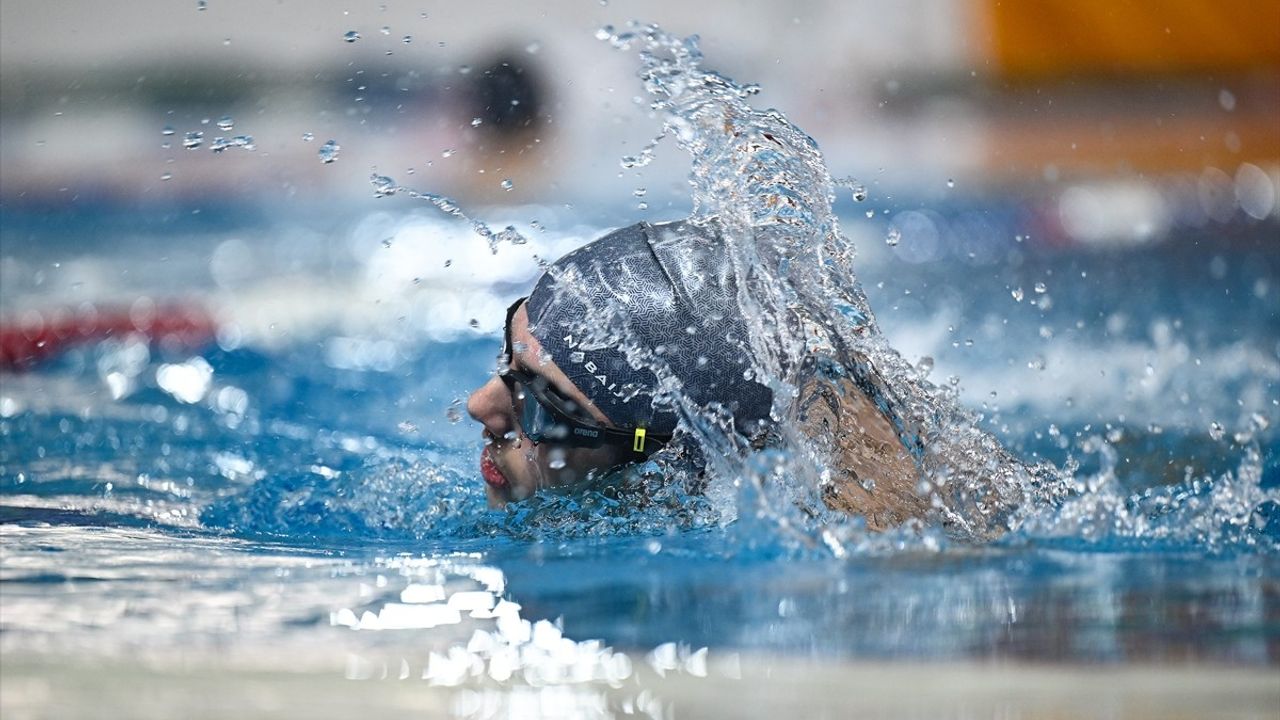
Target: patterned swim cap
{"x":670,"y":290}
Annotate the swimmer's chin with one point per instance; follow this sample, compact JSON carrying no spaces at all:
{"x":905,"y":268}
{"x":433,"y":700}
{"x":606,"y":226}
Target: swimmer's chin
{"x":497,"y":498}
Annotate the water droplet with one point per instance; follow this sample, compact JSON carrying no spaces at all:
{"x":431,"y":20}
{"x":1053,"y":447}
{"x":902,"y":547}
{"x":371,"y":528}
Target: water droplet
{"x":893,"y":237}
{"x":1216,"y":430}
{"x":532,"y":48}
{"x":167,"y":130}
{"x":868,"y":484}
{"x":453,"y":413}
{"x":476,"y":122}
{"x":226,"y":123}
{"x":329,"y":151}
{"x":308,"y":137}
{"x":871,"y":213}
{"x":386,"y":243}
{"x":239,"y":141}
{"x":859,"y":193}
{"x":202,"y":5}
{"x":351,"y":36}
{"x":951,"y":183}
{"x":166,"y":176}
{"x":448,"y":262}
{"x":1227,"y":100}
{"x":385,"y":30}
{"x":193,"y":140}
{"x":1041,"y":289}
{"x":406,"y":39}
{"x":226,"y":41}
{"x":642,"y":206}
{"x":1017,"y":293}
{"x":474,"y":323}
{"x":1036,"y":363}
{"x":639,"y":192}
{"x":383,"y":186}
{"x":556,"y":459}
{"x":925,"y":365}
{"x":446,"y":153}
{"x":507,"y":184}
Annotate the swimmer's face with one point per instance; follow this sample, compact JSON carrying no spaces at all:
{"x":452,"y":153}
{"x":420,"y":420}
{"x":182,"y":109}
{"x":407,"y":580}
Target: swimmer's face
{"x":512,"y":465}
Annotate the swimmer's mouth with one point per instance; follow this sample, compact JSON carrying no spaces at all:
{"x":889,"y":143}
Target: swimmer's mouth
{"x":489,"y":469}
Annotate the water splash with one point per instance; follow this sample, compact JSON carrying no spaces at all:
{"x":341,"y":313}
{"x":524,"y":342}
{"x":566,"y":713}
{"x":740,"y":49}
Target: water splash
{"x":645,"y":156}
{"x":764,"y":185}
{"x":384,"y":186}
{"x":1232,"y":512}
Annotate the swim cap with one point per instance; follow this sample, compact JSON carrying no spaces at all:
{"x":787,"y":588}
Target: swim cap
{"x":673,"y":287}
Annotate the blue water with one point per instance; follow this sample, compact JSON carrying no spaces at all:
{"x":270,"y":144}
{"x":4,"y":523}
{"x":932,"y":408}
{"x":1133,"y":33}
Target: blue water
{"x":307,"y":487}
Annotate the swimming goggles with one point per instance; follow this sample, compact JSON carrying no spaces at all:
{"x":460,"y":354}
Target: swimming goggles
{"x":547,"y":416}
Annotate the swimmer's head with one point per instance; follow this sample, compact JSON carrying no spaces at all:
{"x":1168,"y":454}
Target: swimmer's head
{"x":665,"y":291}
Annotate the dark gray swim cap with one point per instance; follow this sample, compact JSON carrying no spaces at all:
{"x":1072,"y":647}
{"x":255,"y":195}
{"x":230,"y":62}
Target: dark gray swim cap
{"x":674,"y":288}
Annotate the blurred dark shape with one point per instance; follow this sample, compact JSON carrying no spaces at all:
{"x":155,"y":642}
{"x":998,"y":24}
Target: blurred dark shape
{"x":508,"y":97}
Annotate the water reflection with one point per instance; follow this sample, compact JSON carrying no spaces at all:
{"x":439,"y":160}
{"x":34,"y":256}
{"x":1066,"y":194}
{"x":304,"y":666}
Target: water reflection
{"x":506,"y":634}
{"x":516,"y":613}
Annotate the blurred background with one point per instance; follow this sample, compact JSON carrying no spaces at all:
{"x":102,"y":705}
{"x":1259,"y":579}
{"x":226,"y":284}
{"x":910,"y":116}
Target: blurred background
{"x":1164,"y":113}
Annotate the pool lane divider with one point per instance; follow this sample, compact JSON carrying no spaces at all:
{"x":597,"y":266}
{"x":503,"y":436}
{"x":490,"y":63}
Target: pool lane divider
{"x":34,"y":337}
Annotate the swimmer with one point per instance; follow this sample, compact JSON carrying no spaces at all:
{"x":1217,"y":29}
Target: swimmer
{"x":567,"y":404}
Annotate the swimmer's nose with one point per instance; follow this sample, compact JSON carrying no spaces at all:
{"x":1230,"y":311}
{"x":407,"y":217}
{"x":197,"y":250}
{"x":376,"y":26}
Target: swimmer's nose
{"x":490,"y":405}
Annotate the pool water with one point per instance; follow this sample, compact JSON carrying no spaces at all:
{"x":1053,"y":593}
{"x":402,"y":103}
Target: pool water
{"x":314,"y":506}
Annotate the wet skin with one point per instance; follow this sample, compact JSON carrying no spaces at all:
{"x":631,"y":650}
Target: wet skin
{"x":512,"y":465}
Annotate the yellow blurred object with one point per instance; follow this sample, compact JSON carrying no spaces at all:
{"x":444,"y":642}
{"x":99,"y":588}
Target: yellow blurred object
{"x":1116,"y":37}
{"x":1092,"y":88}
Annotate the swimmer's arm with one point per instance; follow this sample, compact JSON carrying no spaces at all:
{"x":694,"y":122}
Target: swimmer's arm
{"x":872,"y":475}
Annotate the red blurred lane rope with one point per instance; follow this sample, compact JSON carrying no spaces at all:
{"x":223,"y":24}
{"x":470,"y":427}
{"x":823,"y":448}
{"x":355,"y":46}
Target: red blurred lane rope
{"x":36,"y":336}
